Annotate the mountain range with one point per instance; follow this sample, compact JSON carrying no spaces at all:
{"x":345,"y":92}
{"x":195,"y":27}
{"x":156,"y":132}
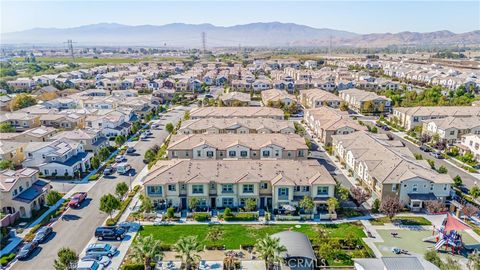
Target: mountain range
{"x":271,"y":34}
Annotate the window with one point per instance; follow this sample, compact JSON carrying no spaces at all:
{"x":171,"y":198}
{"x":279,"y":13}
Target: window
{"x":322,"y":190}
{"x":209,"y":153}
{"x":445,"y":187}
{"x":227,"y":202}
{"x":186,"y":153}
{"x":296,"y":188}
{"x":243,"y":153}
{"x":199,"y":153}
{"x":394,"y":187}
{"x":197,"y":189}
{"x":248,"y":188}
{"x":277,"y":153}
{"x":452,"y":132}
{"x":232,"y":153}
{"x":289,"y":154}
{"x":266,"y":153}
{"x":172,"y":187}
{"x":154,"y":190}
{"x":264,"y":185}
{"x":415,"y":188}
{"x":213,"y":186}
{"x":283,"y":192}
{"x":227,"y":188}
{"x":306,"y":189}
{"x":300,"y":153}
{"x":431,"y":186}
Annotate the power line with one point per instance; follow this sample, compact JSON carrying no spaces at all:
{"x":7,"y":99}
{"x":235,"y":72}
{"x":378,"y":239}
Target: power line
{"x":204,"y":42}
{"x":70,"y":48}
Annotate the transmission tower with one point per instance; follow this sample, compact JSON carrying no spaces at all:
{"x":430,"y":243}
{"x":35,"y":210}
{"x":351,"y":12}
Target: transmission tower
{"x":70,"y":48}
{"x":204,"y":42}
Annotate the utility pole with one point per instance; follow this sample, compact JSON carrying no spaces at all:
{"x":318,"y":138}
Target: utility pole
{"x":70,"y":48}
{"x":204,"y":42}
{"x":330,"y":45}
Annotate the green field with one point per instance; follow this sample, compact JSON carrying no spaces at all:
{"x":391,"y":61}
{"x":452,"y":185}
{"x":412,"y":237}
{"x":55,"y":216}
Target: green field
{"x":98,"y":61}
{"x":406,"y":221}
{"x":235,"y":234}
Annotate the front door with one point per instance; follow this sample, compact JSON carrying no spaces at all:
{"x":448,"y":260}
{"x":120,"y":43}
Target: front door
{"x":213,"y":203}
{"x":262,"y":202}
{"x":183,"y":203}
{"x":269,"y":203}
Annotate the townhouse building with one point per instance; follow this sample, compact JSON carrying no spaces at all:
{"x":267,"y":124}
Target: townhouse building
{"x":273,"y":96}
{"x":366,"y":102}
{"x":410,"y":117}
{"x":21,"y":121}
{"x":91,"y":139}
{"x":12,"y":150}
{"x":38,"y":134}
{"x":326,"y":122}
{"x":315,"y":98}
{"x":470,"y":143}
{"x":236,"y":99}
{"x":238,"y":146}
{"x":22,"y":192}
{"x":387,"y":168}
{"x":229,"y":183}
{"x":451,"y":129}
{"x":240,"y":112}
{"x":236,"y":125}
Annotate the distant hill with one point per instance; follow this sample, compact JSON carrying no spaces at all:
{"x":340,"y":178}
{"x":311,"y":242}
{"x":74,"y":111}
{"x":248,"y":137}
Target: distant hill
{"x":272,"y":34}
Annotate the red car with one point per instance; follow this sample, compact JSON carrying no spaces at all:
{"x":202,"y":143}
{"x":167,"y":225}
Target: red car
{"x":77,"y":199}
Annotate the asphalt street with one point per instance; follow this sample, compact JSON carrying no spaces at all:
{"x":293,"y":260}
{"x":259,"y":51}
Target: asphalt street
{"x":77,"y":226}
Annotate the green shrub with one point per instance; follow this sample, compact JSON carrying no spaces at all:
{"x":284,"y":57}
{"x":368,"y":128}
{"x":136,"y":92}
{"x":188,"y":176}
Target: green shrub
{"x":376,"y":206}
{"x":94,"y":177}
{"x":170,"y":212}
{"x":201,"y":216}
{"x":241,"y":217}
{"x":133,"y":266}
{"x":5,"y":259}
{"x":227,"y":212}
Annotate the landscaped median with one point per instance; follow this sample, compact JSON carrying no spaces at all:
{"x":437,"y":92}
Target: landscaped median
{"x":125,"y":203}
{"x":342,"y":241}
{"x":46,"y":220}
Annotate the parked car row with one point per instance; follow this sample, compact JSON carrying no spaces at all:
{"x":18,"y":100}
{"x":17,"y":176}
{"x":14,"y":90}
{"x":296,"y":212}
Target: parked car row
{"x":40,"y":237}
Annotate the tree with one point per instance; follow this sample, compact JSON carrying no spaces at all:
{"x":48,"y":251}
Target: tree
{"x":214,"y":234}
{"x":442,"y":170}
{"x":6,"y":127}
{"x":250,"y":204}
{"x":307,"y":204}
{"x":359,"y":195}
{"x":332,"y":204}
{"x":193,"y":202}
{"x":343,"y":106}
{"x":109,"y":203}
{"x":104,"y":153}
{"x":66,"y":259}
{"x":457,"y":181}
{"x":170,"y":212}
{"x":145,"y":249}
{"x":368,"y":107}
{"x":390,"y":206}
{"x":150,"y":155}
{"x":270,"y":249}
{"x":119,"y":140}
{"x":6,"y":164}
{"x":473,"y":261}
{"x":341,"y":193}
{"x":188,"y":248}
{"x":169,"y":127}
{"x":53,"y":197}
{"x":186,"y":116}
{"x":435,"y":206}
{"x":21,"y":101}
{"x":432,"y":256}
{"x":469,"y":211}
{"x":376,"y":206}
{"x":475,"y":191}
{"x":147,"y":205}
{"x":121,"y":189}
{"x":95,"y":162}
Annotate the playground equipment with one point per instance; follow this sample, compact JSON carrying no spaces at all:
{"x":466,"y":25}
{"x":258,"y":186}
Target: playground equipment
{"x":448,"y":235}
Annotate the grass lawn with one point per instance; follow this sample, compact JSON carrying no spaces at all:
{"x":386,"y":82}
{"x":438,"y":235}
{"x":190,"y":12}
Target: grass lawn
{"x":411,"y":241}
{"x":235,"y":234}
{"x":406,"y":221}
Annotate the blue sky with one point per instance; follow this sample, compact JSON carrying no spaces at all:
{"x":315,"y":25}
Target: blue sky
{"x":355,"y":16}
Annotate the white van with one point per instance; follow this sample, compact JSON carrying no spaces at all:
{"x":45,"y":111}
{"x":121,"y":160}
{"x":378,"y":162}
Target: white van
{"x":123,"y":168}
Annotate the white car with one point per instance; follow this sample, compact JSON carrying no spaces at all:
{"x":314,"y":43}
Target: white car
{"x":89,"y":265}
{"x":119,"y":158}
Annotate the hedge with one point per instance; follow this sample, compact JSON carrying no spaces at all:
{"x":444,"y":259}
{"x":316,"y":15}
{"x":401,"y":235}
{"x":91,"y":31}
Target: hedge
{"x":94,"y":177}
{"x":113,"y":221}
{"x":201,"y":216}
{"x":5,"y":259}
{"x":239,"y":217}
{"x":135,"y":266}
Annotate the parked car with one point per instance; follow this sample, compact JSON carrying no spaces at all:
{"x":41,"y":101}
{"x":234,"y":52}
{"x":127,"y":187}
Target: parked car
{"x":109,"y":170}
{"x":26,"y":250}
{"x":119,"y":158}
{"x":380,"y":125}
{"x":89,"y":265}
{"x":100,"y":249}
{"x":148,"y":132}
{"x":77,"y":199}
{"x":130,"y":150}
{"x":102,"y":260}
{"x":386,"y":128}
{"x":111,"y":232}
{"x":437,"y":155}
{"x":143,"y":136}
{"x":425,"y":148}
{"x":42,"y":234}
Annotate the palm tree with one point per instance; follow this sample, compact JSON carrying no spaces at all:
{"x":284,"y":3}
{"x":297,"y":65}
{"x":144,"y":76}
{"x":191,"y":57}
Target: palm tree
{"x":188,"y":247}
{"x":270,"y":249}
{"x":146,"y":249}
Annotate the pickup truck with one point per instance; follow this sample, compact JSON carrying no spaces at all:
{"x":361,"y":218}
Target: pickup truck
{"x":77,"y":199}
